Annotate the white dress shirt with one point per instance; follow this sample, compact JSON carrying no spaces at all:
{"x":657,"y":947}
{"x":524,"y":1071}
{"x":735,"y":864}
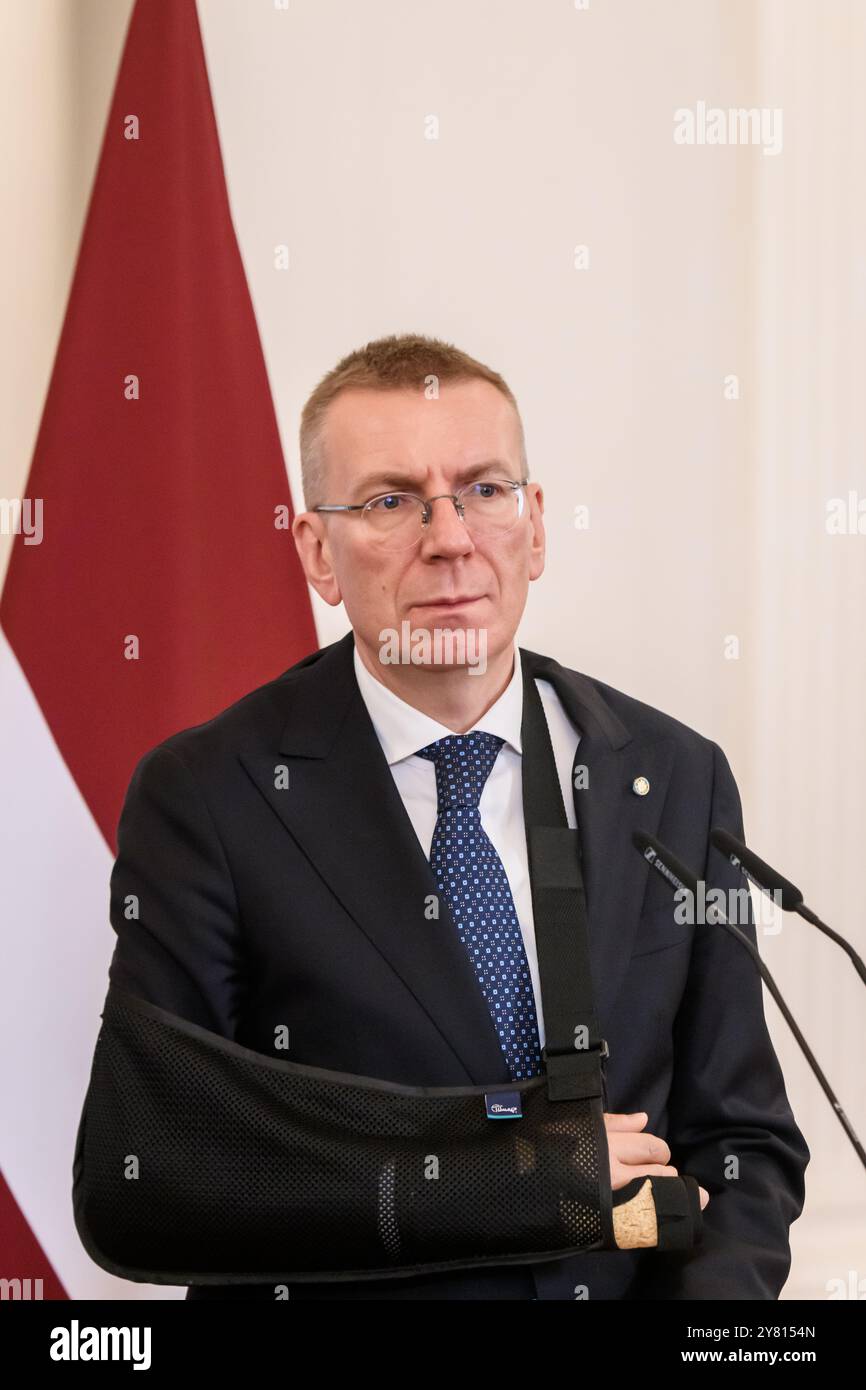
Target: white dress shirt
{"x":402,"y":730}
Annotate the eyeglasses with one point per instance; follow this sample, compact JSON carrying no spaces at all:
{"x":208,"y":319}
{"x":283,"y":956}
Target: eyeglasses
{"x":489,"y":507}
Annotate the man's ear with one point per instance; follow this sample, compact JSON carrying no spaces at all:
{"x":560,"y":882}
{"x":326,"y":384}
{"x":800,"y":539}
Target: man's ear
{"x":538,"y":543}
{"x":314,"y":552}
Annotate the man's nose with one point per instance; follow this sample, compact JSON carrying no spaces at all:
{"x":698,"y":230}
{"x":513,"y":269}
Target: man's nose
{"x":445,"y":533}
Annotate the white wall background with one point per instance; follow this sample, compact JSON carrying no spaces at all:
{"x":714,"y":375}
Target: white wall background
{"x":707,"y":515}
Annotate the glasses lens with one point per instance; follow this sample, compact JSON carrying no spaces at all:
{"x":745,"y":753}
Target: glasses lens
{"x":491,"y":507}
{"x":394,"y":520}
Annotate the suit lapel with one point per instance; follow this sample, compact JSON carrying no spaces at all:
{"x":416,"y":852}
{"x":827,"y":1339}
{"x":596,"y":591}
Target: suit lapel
{"x":375,"y":866}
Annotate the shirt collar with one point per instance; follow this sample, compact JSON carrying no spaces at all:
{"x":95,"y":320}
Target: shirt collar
{"x":402,"y":729}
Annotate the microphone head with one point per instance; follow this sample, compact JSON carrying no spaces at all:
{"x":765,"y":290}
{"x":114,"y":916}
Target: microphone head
{"x":767,"y":879}
{"x":666,"y":863}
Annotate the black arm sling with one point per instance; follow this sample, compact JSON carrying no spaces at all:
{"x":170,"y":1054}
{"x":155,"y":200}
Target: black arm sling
{"x":200,"y":1161}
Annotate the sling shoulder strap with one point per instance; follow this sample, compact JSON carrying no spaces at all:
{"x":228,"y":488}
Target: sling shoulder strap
{"x":574,"y":1051}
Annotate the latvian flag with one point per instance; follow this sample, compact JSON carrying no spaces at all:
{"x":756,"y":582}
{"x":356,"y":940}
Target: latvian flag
{"x":153,"y":580}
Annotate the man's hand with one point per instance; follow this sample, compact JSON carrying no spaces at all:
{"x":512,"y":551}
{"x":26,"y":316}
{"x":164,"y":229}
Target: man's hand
{"x":634,"y":1155}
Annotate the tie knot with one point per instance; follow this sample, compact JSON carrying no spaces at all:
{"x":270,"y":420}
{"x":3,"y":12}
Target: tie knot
{"x":463,"y":763}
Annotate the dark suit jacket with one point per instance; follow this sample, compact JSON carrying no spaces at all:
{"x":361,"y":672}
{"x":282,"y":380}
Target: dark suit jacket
{"x":302,"y":907}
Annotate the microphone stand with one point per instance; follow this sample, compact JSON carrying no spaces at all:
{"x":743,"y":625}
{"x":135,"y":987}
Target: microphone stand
{"x":773,"y":884}
{"x":676,"y":875}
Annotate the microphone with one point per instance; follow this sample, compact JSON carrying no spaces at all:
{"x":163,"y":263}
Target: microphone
{"x":780,"y":889}
{"x":679,"y":876}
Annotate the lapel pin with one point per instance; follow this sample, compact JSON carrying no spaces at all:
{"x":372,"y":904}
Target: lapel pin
{"x":640,"y":786}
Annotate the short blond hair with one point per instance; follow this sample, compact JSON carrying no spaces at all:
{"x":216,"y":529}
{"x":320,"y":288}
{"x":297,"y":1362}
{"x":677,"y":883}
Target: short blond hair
{"x":394,"y":363}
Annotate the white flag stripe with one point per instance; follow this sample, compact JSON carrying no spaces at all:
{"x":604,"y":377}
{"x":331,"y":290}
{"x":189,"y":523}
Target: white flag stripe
{"x":57,"y":944}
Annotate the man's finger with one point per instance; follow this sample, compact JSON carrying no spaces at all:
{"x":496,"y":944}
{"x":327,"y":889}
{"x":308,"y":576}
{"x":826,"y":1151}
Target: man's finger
{"x":622,"y":1122}
{"x":639,"y":1148}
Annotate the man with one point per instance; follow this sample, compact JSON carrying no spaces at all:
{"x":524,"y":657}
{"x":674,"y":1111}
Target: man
{"x":305,"y":907}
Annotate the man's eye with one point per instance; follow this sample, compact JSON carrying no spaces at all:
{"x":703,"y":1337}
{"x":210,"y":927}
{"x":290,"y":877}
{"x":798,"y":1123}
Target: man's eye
{"x":389,"y":503}
{"x":486,"y":491}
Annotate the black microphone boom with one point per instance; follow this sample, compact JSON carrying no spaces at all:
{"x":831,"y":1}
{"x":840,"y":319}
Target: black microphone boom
{"x":678,"y":876}
{"x":781,"y":889}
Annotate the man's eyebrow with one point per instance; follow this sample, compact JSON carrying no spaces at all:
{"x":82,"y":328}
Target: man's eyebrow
{"x":371,"y":484}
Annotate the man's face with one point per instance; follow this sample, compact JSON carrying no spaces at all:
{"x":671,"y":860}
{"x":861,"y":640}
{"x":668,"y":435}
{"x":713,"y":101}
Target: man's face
{"x":377,"y":441}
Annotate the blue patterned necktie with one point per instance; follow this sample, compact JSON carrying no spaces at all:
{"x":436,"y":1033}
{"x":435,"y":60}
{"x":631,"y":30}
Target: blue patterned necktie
{"x":472,"y":878}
